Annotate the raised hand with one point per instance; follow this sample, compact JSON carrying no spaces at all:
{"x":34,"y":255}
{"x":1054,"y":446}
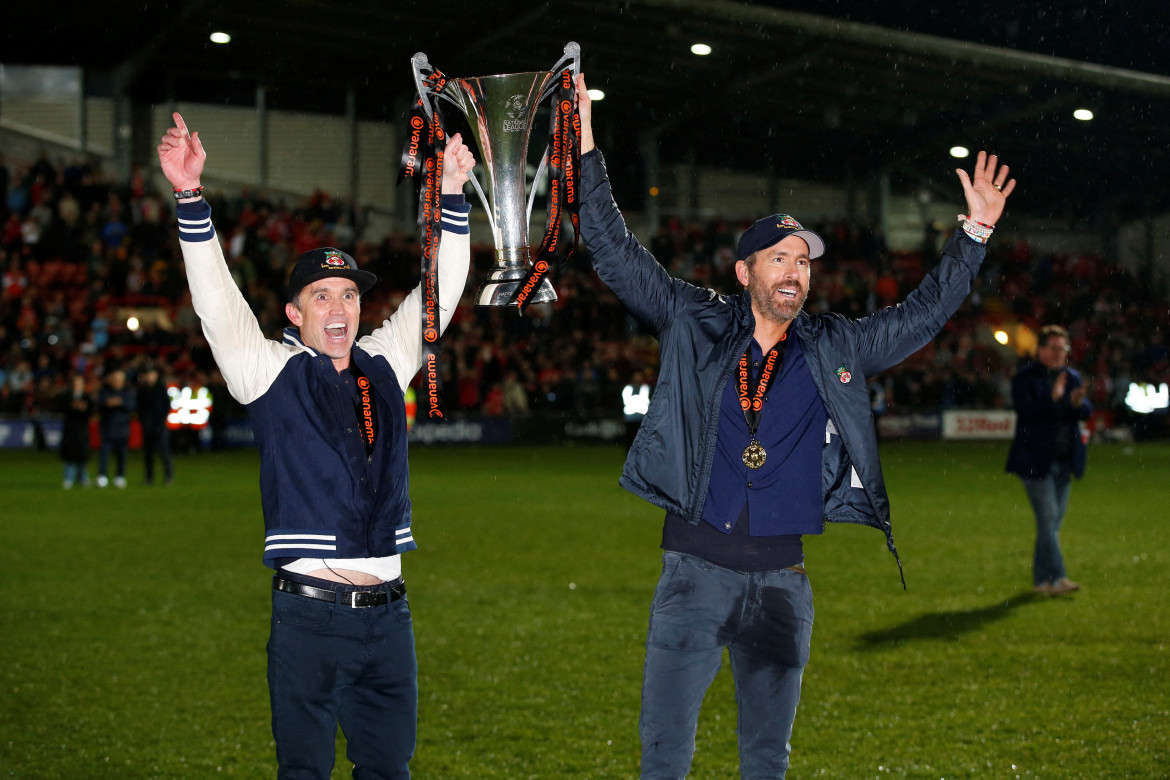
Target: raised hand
{"x":181,"y":155}
{"x":985,"y":190}
{"x":585,"y":107}
{"x":457,"y":164}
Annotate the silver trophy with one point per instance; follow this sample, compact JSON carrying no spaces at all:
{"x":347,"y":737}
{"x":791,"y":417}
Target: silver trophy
{"x":501,"y":110}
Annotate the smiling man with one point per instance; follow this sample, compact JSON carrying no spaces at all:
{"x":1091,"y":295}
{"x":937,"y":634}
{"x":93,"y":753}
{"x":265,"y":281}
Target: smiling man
{"x":325,"y":289}
{"x":759,"y":432}
{"x":328,"y":413}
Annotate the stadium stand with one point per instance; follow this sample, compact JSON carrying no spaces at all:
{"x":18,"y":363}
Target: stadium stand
{"x":80,"y":255}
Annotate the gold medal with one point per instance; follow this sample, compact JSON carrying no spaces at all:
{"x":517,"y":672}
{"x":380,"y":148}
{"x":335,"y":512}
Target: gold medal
{"x":754,"y":455}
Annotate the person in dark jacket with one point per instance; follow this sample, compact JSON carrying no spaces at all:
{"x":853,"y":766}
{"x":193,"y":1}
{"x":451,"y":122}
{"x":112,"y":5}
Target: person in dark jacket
{"x":760,"y":430}
{"x":76,"y":406}
{"x":154,"y":404}
{"x":115,"y":402}
{"x":1048,"y":449}
{"x":328,"y":413}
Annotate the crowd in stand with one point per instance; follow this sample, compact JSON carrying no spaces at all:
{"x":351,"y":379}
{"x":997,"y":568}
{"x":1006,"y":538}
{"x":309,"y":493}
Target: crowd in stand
{"x":80,"y":253}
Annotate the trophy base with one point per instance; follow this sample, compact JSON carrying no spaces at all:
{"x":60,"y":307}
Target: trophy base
{"x":500,"y":288}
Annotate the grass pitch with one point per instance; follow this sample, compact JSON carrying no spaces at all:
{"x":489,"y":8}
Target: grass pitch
{"x":133,"y":623}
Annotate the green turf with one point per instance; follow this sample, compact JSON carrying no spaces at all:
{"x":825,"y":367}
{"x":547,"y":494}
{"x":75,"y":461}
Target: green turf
{"x":133,"y":623}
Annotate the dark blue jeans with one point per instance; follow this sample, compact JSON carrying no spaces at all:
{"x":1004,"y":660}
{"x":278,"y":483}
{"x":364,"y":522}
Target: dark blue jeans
{"x":330,"y":664}
{"x":1049,"y":498}
{"x":157,"y":443}
{"x":119,"y":449}
{"x":765,"y":621}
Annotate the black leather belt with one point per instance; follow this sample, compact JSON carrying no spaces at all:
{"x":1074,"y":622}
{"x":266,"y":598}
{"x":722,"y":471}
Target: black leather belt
{"x":389,"y":592}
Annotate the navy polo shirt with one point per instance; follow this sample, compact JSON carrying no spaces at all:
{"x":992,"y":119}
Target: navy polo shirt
{"x":784,"y":496}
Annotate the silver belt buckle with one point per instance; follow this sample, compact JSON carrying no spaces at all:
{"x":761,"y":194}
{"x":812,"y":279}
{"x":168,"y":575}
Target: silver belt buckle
{"x":353,"y":599}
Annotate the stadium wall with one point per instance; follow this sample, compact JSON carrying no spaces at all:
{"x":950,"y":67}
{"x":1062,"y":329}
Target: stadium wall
{"x":539,"y":429}
{"x":569,"y":429}
{"x":1142,"y":242}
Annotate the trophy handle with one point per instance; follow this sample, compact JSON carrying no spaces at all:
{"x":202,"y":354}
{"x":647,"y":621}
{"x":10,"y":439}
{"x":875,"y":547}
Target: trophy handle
{"x":420,"y":65}
{"x":572,"y":55}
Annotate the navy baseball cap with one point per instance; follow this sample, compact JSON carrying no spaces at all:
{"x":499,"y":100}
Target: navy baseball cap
{"x":772,"y":230}
{"x":324,"y":263}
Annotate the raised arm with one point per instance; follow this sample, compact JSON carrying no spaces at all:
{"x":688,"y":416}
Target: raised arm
{"x":622,"y":263}
{"x":894,"y":333}
{"x":585,"y":108}
{"x":399,"y":338}
{"x":247,"y":360}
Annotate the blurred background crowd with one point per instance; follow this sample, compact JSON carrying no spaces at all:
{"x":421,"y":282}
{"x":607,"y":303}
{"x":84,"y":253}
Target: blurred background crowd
{"x":80,"y":255}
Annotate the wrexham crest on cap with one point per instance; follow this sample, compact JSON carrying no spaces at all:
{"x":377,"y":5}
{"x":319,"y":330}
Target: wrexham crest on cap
{"x":788,"y":222}
{"x":333,"y":260}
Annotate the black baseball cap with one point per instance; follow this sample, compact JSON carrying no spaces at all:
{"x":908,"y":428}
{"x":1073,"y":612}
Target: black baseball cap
{"x":324,"y":263}
{"x":772,"y":230}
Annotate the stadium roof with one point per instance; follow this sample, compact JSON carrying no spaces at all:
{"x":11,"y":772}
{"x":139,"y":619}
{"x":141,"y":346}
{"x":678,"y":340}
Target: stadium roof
{"x":801,"y":95}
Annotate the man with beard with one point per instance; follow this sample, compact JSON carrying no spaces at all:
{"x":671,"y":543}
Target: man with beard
{"x":759,"y":432}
